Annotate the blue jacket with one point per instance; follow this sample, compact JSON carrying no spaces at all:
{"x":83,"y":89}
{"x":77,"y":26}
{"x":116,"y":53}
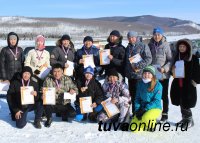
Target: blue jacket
{"x":148,"y":100}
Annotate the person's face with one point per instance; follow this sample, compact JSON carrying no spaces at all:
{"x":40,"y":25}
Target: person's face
{"x":112,"y":79}
{"x":65,"y":43}
{"x":88,"y":76}
{"x":40,"y":44}
{"x":57,"y":73}
{"x":147,"y":75}
{"x":113,"y":38}
{"x":132,"y":40}
{"x":13,"y":41}
{"x":182,"y":48}
{"x":157,"y":37}
{"x":26,"y":76}
{"x":88,"y":44}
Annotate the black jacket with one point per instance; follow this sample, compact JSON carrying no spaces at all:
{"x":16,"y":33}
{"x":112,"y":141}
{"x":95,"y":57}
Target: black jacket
{"x":14,"y":96}
{"x":8,"y":65}
{"x":187,"y":95}
{"x":94,"y":90}
{"x":118,"y":61}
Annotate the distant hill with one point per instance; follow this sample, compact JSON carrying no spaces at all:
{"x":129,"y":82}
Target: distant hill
{"x":97,"y":27}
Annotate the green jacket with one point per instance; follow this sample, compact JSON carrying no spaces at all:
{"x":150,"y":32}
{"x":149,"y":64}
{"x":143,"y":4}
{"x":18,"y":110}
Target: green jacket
{"x":66,"y":84}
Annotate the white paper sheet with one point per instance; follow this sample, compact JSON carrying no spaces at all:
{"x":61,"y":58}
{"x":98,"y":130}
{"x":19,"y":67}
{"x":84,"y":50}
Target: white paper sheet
{"x":26,"y":96}
{"x":85,"y":104}
{"x":70,"y":70}
{"x":4,"y":86}
{"x":179,"y":69}
{"x":135,"y":59}
{"x":110,"y":108}
{"x":88,"y":61}
{"x":67,"y":95}
{"x":49,"y":96}
{"x":104,"y":60}
{"x":44,"y":72}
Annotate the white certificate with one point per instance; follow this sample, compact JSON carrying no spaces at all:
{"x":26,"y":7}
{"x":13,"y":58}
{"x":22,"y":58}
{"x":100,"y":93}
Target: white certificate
{"x":179,"y":69}
{"x":70,"y":69}
{"x":67,"y":95}
{"x":104,"y":60}
{"x":88,"y":61}
{"x":4,"y":86}
{"x":49,"y":96}
{"x":110,"y":108}
{"x":85,"y":104}
{"x":26,"y":96}
{"x":135,"y":59}
{"x":159,"y":75}
{"x":44,"y":71}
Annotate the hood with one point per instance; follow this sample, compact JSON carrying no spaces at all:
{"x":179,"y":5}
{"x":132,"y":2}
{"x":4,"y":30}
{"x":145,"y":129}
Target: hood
{"x":9,"y":34}
{"x":119,"y":42}
{"x":189,"y":45}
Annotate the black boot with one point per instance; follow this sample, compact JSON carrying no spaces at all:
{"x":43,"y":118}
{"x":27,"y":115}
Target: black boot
{"x":48,"y":122}
{"x":164,"y":118}
{"x":186,"y":123}
{"x":37,"y":124}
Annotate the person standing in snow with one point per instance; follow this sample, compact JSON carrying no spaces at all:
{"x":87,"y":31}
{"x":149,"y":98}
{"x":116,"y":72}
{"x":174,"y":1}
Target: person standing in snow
{"x":11,"y":61}
{"x":133,"y":70}
{"x":63,"y":52}
{"x":162,"y":57}
{"x":183,"y":90}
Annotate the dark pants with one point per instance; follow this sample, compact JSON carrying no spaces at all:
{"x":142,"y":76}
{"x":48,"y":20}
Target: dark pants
{"x":165,"y":85}
{"x":38,"y":107}
{"x":132,"y":83}
{"x":64,"y":110}
{"x":186,"y":113}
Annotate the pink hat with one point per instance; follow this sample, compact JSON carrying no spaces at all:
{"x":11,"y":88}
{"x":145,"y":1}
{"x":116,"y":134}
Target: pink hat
{"x":42,"y":39}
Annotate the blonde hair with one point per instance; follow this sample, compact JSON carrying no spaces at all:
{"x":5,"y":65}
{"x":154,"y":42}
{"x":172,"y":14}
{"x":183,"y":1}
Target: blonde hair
{"x":152,"y":85}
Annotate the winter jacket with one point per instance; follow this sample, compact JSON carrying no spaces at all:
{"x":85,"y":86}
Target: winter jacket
{"x":94,"y":90}
{"x":93,"y":51}
{"x":33,"y":59}
{"x":186,"y":96}
{"x":66,"y":84}
{"x":118,"y":90}
{"x":145,"y":54}
{"x":161,"y":55}
{"x":14,"y":95}
{"x":148,"y":100}
{"x":58,"y":55}
{"x":8,"y":65}
{"x":118,"y":53}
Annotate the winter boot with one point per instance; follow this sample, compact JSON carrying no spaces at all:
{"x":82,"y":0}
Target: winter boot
{"x":37,"y":124}
{"x":164,"y":118}
{"x":48,"y":122}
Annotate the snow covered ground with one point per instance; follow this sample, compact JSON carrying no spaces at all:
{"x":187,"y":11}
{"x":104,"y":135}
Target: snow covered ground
{"x":87,"y":132}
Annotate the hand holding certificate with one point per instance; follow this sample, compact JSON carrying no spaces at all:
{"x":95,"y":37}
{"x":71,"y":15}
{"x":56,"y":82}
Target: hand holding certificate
{"x":110,"y":108}
{"x":70,"y":69}
{"x":135,"y":59}
{"x":26,"y":95}
{"x":49,"y":96}
{"x":88,"y":61}
{"x":67,"y":95}
{"x":179,"y":71}
{"x":104,"y":60}
{"x":159,"y":75}
{"x":85,"y":104}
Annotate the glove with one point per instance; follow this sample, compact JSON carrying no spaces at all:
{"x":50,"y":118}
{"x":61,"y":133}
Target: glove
{"x":98,"y":108}
{"x":79,"y":117}
{"x":36,"y":72}
{"x":140,"y":113}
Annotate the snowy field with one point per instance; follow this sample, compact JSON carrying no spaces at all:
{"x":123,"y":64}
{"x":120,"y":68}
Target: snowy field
{"x":86,"y":132}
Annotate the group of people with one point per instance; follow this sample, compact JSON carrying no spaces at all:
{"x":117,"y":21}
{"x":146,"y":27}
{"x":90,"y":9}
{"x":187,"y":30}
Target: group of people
{"x":142,"y":95}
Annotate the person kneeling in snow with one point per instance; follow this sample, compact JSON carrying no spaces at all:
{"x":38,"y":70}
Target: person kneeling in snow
{"x":147,"y":102}
{"x":89,"y":86}
{"x":14,"y":98}
{"x":62,"y":84}
{"x":117,"y":90}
